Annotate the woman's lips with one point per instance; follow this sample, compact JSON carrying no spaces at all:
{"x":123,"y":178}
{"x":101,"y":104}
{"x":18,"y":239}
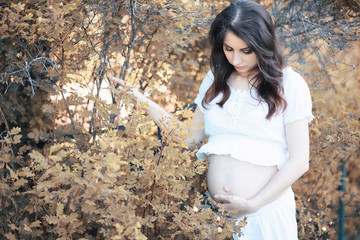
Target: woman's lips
{"x":240,"y":68}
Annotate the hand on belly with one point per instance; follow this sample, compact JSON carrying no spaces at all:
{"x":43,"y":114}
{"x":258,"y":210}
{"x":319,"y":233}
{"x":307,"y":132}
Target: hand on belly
{"x":234,"y":206}
{"x":233,"y":182}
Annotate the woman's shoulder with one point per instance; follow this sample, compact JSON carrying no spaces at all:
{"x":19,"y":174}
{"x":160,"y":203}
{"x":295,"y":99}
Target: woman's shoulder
{"x":292,"y":80}
{"x":295,"y":88}
{"x":289,"y":75}
{"x":209,"y":76}
{"x":297,"y":95}
{"x":204,"y":86}
{"x":207,"y":81}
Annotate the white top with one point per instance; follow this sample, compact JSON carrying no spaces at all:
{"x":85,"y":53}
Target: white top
{"x":240,"y":128}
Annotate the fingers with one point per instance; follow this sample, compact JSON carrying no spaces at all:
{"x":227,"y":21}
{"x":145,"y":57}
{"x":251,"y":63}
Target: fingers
{"x":133,"y":91}
{"x":227,"y":201}
{"x":216,"y":205}
{"x":117,"y":80}
{"x":223,"y":198}
{"x":236,"y":215}
{"x":233,"y":206}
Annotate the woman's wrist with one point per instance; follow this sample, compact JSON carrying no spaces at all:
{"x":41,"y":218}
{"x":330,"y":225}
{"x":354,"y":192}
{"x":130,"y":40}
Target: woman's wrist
{"x":139,"y":96}
{"x":255,"y":204}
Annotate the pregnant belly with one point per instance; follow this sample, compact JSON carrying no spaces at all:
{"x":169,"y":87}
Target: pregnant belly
{"x":227,"y":175}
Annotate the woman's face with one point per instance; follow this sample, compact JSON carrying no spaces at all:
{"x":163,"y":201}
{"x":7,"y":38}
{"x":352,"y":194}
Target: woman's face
{"x":239,"y":54}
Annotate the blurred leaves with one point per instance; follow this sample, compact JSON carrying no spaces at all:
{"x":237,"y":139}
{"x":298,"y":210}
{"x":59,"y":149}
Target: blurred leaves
{"x":80,"y":160}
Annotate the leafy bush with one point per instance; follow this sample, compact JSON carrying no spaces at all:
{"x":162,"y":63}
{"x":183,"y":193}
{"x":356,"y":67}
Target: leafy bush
{"x":79,"y":161}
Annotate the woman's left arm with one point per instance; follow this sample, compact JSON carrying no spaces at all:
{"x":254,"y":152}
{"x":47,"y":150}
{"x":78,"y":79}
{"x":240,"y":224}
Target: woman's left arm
{"x":297,"y":137}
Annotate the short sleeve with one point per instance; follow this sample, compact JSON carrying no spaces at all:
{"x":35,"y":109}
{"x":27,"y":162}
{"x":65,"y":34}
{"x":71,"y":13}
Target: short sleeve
{"x":205,"y":85}
{"x":297,"y":96}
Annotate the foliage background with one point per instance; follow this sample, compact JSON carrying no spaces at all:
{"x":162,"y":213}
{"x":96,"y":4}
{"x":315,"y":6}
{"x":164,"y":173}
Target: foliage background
{"x":78,"y":159}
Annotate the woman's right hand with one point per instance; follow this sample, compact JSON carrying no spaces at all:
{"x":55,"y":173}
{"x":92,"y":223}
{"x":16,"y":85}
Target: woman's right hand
{"x":117,"y":80}
{"x":134,"y":91}
{"x":158,"y":114}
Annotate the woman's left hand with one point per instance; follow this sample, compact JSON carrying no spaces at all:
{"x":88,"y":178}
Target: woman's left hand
{"x":235,"y":206}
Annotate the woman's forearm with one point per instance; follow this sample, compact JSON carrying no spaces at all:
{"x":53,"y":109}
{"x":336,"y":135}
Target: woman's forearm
{"x":157,"y":113}
{"x":196,"y":134}
{"x":287,"y":175}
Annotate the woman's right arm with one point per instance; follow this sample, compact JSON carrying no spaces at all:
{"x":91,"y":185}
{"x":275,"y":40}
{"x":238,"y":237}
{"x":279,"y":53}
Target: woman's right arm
{"x":197,"y":132}
{"x":161,"y":117}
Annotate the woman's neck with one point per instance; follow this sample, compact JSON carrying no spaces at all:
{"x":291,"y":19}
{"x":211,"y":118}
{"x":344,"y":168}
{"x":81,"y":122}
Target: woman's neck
{"x":243,"y":82}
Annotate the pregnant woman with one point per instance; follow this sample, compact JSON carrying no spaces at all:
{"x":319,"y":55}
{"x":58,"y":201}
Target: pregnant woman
{"x":255,"y":112}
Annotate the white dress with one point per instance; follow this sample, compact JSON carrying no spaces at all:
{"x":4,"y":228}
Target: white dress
{"x":240,"y":129}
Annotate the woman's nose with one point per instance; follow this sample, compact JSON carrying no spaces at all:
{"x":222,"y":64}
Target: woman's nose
{"x":237,"y":60}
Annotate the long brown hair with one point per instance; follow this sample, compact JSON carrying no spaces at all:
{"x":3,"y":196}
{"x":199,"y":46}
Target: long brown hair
{"x":253,"y":24}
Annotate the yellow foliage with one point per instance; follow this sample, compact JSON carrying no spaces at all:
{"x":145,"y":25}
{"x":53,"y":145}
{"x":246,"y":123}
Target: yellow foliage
{"x":81,"y":167}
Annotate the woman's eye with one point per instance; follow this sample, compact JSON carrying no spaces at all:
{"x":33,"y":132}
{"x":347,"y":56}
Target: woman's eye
{"x":228,"y":49}
{"x":247,"y":51}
